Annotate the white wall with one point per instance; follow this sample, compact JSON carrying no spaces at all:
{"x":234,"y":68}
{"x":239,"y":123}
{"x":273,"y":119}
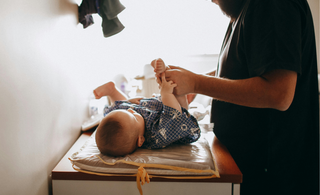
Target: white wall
{"x":170,"y":29}
{"x":48,"y":67}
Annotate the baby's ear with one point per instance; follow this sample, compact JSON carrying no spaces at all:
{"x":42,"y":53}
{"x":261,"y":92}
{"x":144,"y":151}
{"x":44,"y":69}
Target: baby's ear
{"x":140,"y":141}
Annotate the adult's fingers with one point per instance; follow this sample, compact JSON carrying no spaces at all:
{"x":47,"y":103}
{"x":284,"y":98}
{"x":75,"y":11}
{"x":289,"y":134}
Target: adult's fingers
{"x":174,"y":67}
{"x":163,"y":77}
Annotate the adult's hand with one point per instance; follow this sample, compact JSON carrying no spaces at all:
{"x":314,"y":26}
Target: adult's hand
{"x":185,"y":80}
{"x":166,"y":87}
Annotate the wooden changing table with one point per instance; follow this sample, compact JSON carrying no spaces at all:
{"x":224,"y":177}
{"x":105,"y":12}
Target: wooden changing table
{"x":67,"y":181}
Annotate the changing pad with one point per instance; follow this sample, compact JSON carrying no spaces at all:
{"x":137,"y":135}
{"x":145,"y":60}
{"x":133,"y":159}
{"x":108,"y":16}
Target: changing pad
{"x":190,"y":161}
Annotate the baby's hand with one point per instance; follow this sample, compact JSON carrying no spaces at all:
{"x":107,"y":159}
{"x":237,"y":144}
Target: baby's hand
{"x":135,"y":100}
{"x":166,"y":87}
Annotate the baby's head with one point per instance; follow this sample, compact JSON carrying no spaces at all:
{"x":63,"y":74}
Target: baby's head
{"x":120,"y":132}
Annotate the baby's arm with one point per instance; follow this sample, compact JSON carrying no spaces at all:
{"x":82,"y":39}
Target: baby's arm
{"x":159,"y":67}
{"x":135,"y":100}
{"x":166,"y":91}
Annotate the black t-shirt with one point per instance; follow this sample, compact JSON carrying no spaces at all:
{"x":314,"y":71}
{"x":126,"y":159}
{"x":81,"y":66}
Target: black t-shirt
{"x":281,"y":146}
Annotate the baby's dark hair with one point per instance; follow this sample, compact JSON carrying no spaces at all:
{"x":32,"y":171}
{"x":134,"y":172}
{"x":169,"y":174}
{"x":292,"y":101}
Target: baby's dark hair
{"x":112,"y":139}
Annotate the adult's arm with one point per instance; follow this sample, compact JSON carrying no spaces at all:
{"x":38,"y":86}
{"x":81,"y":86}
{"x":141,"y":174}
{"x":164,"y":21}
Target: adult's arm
{"x":192,"y":96}
{"x":274,"y":89}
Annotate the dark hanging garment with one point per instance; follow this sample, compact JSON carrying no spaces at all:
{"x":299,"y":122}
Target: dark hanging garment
{"x":107,"y":9}
{"x":86,"y":8}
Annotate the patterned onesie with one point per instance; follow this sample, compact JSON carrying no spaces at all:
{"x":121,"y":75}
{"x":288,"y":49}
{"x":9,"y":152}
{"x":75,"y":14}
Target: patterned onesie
{"x":163,"y":125}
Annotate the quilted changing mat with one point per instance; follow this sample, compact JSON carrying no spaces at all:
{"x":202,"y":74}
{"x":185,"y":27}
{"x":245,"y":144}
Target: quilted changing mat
{"x":191,"y":161}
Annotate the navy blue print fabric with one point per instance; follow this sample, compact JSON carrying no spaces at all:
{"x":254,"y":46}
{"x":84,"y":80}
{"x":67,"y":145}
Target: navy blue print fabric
{"x":164,"y":125}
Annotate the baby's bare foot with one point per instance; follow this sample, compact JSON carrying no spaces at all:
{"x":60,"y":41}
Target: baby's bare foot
{"x":158,"y":66}
{"x":104,"y":90}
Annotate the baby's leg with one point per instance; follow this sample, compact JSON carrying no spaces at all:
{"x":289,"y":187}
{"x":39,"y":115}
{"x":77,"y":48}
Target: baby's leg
{"x":183,"y":101}
{"x":109,"y":89}
{"x":159,"y":66}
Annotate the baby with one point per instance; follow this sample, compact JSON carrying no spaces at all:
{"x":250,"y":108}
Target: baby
{"x":159,"y":66}
{"x":144,"y":122}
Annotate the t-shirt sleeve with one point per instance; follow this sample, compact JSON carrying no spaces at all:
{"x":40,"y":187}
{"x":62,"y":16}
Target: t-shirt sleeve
{"x":173,"y":126}
{"x":271,"y":43}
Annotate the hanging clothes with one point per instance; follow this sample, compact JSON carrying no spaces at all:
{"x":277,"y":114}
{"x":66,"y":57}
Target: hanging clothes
{"x":107,"y":9}
{"x":85,"y":10}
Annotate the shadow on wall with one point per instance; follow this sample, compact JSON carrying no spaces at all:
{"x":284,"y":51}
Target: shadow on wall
{"x":66,"y":7}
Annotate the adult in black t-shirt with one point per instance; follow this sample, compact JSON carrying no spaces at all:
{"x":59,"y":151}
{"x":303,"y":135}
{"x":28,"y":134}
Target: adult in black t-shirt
{"x":265,"y":105}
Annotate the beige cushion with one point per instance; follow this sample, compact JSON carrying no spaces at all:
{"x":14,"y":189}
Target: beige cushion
{"x":193,"y":159}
